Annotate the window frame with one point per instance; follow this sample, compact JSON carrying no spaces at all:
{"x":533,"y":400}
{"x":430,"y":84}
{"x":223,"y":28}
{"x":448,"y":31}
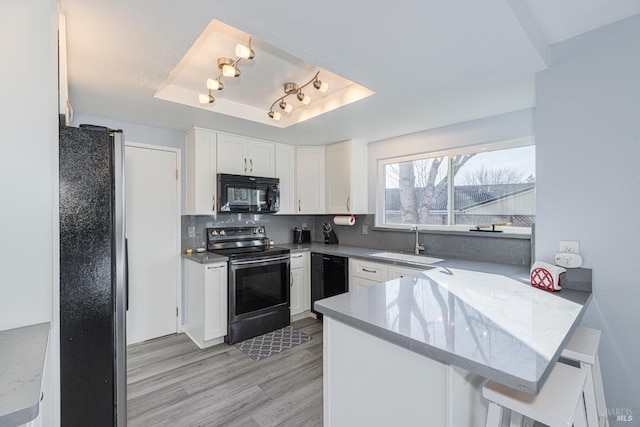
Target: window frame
{"x":450,"y":153}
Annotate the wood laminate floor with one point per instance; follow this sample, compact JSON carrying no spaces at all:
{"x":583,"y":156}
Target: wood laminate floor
{"x":171,"y":382}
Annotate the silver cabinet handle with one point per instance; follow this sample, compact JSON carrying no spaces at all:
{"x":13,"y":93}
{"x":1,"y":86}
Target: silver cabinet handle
{"x":213,"y":267}
{"x":245,"y":164}
{"x":251,"y":165}
{"x":348,"y":204}
{"x":213,"y":203}
{"x":299,"y":209}
{"x":296,"y":256}
{"x":369,"y":271}
{"x":291,"y":278}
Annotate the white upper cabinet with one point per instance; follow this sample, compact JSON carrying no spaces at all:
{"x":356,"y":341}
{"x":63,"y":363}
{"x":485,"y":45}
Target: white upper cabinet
{"x":346,"y":178}
{"x":239,"y":155}
{"x":309,"y":180}
{"x":285,"y":172}
{"x":201,"y":172}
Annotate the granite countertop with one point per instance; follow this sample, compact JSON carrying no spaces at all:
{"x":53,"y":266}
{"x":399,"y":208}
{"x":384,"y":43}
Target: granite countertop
{"x":483,"y":318}
{"x":522,"y":272}
{"x":205,"y":257}
{"x":22,"y":358}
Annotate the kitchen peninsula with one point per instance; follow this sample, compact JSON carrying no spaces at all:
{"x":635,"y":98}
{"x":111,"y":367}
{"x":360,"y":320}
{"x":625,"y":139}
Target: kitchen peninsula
{"x":417,"y":350}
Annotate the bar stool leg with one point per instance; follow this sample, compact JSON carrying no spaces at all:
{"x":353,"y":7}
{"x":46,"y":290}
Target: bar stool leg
{"x":579,"y":416}
{"x":599,"y":392}
{"x":494,"y":415}
{"x":590,"y":403}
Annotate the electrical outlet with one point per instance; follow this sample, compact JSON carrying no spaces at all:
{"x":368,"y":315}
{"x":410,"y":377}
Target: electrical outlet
{"x":191,"y":231}
{"x":569,"y":247}
{"x":365,"y":229}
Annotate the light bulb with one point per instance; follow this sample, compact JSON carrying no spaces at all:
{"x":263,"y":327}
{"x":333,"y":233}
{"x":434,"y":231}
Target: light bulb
{"x":321,"y":86}
{"x":274,"y":115}
{"x":244,"y":52}
{"x":230,"y":71}
{"x":205,"y":98}
{"x":214,"y":84}
{"x":286,"y":107}
{"x":305,"y":99}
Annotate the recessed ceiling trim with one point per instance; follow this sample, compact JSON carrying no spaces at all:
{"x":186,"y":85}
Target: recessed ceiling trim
{"x":249,"y":96}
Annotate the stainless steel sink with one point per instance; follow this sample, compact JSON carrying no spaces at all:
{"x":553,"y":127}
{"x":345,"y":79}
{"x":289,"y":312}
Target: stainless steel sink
{"x":414,"y":259}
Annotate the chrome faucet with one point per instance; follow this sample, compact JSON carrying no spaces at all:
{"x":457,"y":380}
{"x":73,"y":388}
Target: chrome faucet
{"x":418,"y":247}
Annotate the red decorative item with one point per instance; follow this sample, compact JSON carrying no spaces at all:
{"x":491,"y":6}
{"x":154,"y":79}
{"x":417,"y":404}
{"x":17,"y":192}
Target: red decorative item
{"x":541,"y":278}
{"x":546,"y":276}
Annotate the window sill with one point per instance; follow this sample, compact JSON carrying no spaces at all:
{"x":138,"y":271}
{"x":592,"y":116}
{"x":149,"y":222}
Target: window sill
{"x":463,"y":230}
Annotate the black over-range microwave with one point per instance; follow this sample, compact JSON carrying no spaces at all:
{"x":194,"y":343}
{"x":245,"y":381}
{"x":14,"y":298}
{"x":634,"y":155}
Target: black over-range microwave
{"x":240,"y":193}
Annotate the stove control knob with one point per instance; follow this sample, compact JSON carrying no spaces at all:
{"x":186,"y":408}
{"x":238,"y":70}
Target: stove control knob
{"x":214,"y":232}
{"x":261,"y":230}
{"x":254,"y":231}
{"x":222,"y":232}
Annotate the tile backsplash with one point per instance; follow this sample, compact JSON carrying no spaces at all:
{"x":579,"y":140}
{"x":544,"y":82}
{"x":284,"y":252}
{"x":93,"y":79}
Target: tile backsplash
{"x":278,"y":227}
{"x":501,"y":249}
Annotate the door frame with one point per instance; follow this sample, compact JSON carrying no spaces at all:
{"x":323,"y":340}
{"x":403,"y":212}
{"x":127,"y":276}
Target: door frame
{"x":177,"y":151}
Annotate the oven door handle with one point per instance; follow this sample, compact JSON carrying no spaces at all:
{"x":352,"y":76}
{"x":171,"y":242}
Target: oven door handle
{"x":259,"y":261}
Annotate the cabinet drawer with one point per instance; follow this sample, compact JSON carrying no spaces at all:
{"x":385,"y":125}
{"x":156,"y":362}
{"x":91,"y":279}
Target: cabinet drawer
{"x":396,"y":272}
{"x":297,"y":260}
{"x":369,"y":270}
{"x":358,"y":283}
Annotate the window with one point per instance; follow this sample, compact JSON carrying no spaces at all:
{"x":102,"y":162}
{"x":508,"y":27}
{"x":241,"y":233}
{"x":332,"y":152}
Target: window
{"x":464,"y":188}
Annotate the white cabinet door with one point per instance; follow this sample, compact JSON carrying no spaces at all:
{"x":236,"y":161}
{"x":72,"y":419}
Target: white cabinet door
{"x":285,"y":172}
{"x":346,"y":178}
{"x":297,"y":277}
{"x":201,"y":172}
{"x":245,"y":156}
{"x":300,"y":283}
{"x":215,"y":301}
{"x":337,"y":172}
{"x":357,"y":283}
{"x":310,"y":180}
{"x":231,"y":156}
{"x":261,"y":156}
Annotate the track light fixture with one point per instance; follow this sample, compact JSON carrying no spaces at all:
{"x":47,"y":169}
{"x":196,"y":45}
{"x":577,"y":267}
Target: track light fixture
{"x":228,"y":68}
{"x":291,"y":88}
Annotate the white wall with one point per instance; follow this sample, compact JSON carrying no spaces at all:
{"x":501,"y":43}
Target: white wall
{"x":28,"y":170}
{"x":143,"y":135}
{"x":587,"y":125}
{"x":504,"y":127}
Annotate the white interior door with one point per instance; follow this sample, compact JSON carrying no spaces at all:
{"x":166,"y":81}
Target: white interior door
{"x":152,"y":195}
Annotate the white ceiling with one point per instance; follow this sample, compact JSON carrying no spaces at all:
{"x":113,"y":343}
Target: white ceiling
{"x":430,"y":62}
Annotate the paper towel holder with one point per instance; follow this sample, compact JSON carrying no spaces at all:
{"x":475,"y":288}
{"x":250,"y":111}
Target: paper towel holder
{"x":344,"y":220}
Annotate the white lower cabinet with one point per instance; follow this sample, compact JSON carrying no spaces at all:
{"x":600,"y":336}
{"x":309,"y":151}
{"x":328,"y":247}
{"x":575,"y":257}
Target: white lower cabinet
{"x":300,"y":283}
{"x":364,"y":273}
{"x":356,"y":283}
{"x":396,"y":272}
{"x":206,"y":302}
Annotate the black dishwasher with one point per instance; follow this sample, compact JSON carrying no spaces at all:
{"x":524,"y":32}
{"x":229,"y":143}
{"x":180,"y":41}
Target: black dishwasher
{"x":329,"y":277}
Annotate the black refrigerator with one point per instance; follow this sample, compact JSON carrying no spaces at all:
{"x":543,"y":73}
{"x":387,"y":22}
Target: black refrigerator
{"x":93,"y":278}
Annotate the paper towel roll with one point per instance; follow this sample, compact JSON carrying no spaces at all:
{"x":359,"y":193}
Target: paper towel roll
{"x":344,"y":220}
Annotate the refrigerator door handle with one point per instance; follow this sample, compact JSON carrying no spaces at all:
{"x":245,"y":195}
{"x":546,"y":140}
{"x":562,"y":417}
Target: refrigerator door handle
{"x":126,"y":273}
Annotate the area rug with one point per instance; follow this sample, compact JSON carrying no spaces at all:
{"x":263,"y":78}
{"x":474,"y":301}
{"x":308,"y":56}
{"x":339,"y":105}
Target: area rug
{"x":272,"y":343}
